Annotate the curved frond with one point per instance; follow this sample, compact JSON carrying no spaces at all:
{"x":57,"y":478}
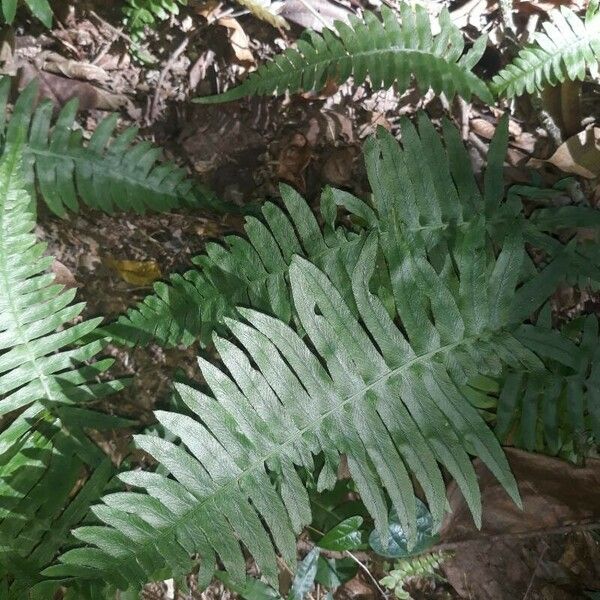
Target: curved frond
{"x":388,"y":51}
{"x":106,"y":173}
{"x":566,"y":48}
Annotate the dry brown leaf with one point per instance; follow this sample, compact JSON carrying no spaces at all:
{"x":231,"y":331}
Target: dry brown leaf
{"x":337,"y":169}
{"x":293,"y":160}
{"x":63,"y":275}
{"x":240,"y":43}
{"x":580,"y":154}
{"x":74,"y":69}
{"x":136,"y":272}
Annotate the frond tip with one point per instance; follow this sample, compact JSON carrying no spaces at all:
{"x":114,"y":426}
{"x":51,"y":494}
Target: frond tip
{"x":566,"y":48}
{"x":388,"y":51}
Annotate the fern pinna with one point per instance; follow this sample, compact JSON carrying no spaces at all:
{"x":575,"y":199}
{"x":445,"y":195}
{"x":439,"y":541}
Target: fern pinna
{"x":107,"y":174}
{"x":566,"y":48}
{"x":390,"y":51}
{"x":50,"y":470}
{"x":378,"y":377}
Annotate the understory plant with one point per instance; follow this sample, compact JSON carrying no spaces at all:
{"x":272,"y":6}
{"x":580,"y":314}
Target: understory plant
{"x":368,"y":341}
{"x":378,"y":346}
{"x":399,"y":48}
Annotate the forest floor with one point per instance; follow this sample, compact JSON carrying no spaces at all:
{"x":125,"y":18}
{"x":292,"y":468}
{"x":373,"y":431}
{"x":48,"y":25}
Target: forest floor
{"x":242,"y":151}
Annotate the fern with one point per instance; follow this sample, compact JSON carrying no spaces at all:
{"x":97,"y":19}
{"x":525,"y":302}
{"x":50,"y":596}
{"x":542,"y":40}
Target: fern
{"x":37,"y":370}
{"x":566,"y":48}
{"x":387,"y":51}
{"x":109,"y":177}
{"x":46,"y":370}
{"x":252,"y":272}
{"x":346,"y":379}
{"x":139,"y":14}
{"x":39,"y":8}
{"x":556,"y":410}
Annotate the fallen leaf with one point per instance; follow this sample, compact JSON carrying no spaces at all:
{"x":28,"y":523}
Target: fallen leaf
{"x":337,"y":169}
{"x":136,"y":272}
{"x":580,"y":154}
{"x":73,"y":69}
{"x":293,"y":160}
{"x":62,"y":89}
{"x":63,"y":275}
{"x":240,"y":43}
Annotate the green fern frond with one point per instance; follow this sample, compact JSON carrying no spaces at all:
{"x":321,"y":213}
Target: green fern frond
{"x":385,"y":390}
{"x":39,"y":8}
{"x":43,"y":361}
{"x":566,"y":48}
{"x":390,"y":52}
{"x":47,"y":487}
{"x":107,"y":174}
{"x":557,"y":410}
{"x":139,"y":14}
{"x":252,"y":272}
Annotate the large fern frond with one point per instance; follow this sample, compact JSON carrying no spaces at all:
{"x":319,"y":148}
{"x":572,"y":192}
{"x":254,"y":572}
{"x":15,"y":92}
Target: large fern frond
{"x":557,"y":410}
{"x":40,"y":9}
{"x":566,"y":48}
{"x":389,"y":51}
{"x":43,"y":361}
{"x":139,"y":14}
{"x":107,"y":174}
{"x":252,"y":272}
{"x":385,"y":388}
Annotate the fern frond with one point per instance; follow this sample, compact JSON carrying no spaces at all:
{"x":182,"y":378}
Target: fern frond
{"x":252,"y":272}
{"x":47,"y":487}
{"x":139,"y":14}
{"x":385,"y":390}
{"x":43,"y":361}
{"x":242,"y":272}
{"x":388,"y":51}
{"x":557,"y":410}
{"x":107,"y":174}
{"x":566,"y":48}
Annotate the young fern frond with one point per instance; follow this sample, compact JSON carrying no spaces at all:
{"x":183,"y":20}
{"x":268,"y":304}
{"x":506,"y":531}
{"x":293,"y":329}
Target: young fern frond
{"x":389,"y":52}
{"x":107,"y":174}
{"x":557,"y":410}
{"x":44,"y":363}
{"x":565,"y":50}
{"x":383,"y":387}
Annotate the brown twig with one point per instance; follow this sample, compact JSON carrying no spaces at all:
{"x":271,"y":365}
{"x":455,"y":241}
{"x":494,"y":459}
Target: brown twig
{"x":519,"y":535}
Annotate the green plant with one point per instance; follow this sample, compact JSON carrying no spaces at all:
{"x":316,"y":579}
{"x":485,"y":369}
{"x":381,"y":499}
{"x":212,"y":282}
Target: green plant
{"x":388,"y":52}
{"x":566,"y":49}
{"x":107,"y":174}
{"x":252,"y":272}
{"x":50,"y":470}
{"x":139,"y":14}
{"x":417,"y":567}
{"x":345,"y":379}
{"x":39,"y":8}
{"x":557,"y":410}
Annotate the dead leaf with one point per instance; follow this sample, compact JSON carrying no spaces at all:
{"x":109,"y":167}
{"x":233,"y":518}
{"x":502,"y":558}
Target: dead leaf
{"x":240,"y":43}
{"x":293,"y":160}
{"x":73,"y":69}
{"x":62,"y":89}
{"x":580,"y":154}
{"x":63,"y":275}
{"x":136,"y":272}
{"x":337,"y":169}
